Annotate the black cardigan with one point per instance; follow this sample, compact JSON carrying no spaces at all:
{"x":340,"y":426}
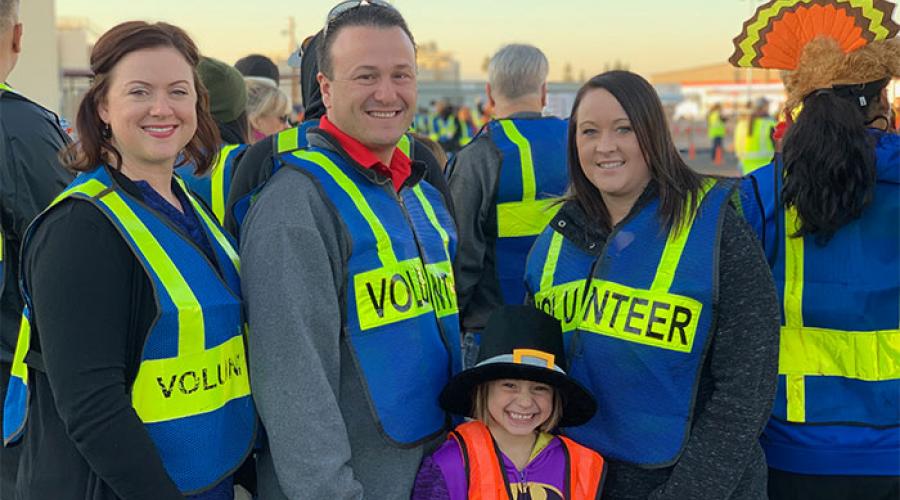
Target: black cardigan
{"x":93,"y":308}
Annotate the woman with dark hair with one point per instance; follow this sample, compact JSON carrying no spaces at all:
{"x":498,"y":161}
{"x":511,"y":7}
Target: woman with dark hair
{"x":667,"y":305}
{"x":834,"y":204}
{"x":132,"y":349}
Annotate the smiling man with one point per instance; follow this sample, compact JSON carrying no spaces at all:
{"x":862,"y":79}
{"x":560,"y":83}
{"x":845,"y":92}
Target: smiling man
{"x":347,"y":277}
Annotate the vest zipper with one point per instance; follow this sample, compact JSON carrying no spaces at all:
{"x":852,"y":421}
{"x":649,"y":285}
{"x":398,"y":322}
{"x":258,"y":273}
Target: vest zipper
{"x":412,"y":228}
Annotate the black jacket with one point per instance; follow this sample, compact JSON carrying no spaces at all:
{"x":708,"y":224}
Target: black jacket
{"x":93,"y":308}
{"x":30,"y":177}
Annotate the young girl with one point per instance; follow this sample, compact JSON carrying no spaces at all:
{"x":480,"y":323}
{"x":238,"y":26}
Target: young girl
{"x":516,"y":394}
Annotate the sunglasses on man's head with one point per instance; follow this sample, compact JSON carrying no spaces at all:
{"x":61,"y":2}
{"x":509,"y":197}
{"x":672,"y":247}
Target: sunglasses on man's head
{"x":348,"y":5}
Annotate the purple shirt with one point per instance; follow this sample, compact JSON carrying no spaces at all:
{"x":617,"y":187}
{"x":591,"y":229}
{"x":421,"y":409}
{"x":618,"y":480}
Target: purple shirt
{"x":442,"y":476}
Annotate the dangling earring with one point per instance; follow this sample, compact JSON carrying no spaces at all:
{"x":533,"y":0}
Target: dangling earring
{"x":107,"y":131}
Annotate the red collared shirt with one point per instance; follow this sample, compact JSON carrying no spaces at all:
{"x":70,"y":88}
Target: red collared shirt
{"x":399,"y":169}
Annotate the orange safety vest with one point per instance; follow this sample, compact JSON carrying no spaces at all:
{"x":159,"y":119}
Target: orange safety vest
{"x":485,"y":476}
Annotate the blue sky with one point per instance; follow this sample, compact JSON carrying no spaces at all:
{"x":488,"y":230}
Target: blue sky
{"x":649,"y":35}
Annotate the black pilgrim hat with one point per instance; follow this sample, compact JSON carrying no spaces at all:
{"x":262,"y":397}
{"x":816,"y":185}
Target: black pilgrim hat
{"x":521,"y":342}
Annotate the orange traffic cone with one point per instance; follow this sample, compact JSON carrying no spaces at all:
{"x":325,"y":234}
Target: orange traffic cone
{"x":718,"y":160}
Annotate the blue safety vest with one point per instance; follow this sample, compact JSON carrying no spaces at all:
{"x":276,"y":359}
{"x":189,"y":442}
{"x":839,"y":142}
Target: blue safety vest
{"x":288,"y":141}
{"x":533,"y":176}
{"x":837,"y":406}
{"x":213,"y":187}
{"x":401,"y":315}
{"x":443,"y":128}
{"x":637,"y":321}
{"x":192,"y":389}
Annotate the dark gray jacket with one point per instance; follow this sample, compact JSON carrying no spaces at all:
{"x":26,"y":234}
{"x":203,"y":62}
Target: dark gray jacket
{"x":323,"y":441}
{"x":30,"y":177}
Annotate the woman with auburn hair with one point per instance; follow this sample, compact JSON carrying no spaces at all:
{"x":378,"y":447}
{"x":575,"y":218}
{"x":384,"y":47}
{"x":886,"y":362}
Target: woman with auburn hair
{"x":130,"y":377}
{"x":667,"y":305}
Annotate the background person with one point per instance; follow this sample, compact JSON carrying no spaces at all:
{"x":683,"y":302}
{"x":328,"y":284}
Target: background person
{"x":268,"y":109}
{"x":228,"y":106}
{"x":758,"y":144}
{"x":835,"y":203}
{"x":131,"y":287}
{"x":30,"y":177}
{"x":503,"y":186}
{"x":259,"y":66}
{"x":666,"y":301}
{"x":715,"y":130}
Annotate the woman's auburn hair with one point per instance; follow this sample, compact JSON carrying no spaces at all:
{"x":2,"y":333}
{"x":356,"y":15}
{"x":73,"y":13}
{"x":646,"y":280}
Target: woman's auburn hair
{"x":481,"y":412}
{"x":93,"y":147}
{"x":678,"y":186}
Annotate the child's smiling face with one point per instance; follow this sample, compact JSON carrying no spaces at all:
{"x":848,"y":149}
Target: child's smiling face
{"x":518,"y":407}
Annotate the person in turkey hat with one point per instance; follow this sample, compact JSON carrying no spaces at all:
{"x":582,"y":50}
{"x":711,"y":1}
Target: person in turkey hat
{"x":516,"y":395}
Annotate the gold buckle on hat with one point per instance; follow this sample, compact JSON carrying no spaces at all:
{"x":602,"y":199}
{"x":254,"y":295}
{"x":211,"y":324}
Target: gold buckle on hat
{"x":518,"y":354}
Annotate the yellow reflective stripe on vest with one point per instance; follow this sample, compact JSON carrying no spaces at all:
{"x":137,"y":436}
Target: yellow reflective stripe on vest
{"x":288,"y":140}
{"x":440,"y":276}
{"x":556,"y":242}
{"x":432,"y":218}
{"x":807,"y":351}
{"x":404,"y":144}
{"x":525,"y":218}
{"x":530,"y":216}
{"x":383,"y":241}
{"x":191,"y":336}
{"x":165,"y":390}
{"x":89,"y":188}
{"x":23,"y":342}
{"x":213,"y":228}
{"x":675,"y":242}
{"x":217,"y":179}
{"x":394,"y":292}
{"x":528,"y":182}
{"x":869,"y":356}
{"x":651,"y":317}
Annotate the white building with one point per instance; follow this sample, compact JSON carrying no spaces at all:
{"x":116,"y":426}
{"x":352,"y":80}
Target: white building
{"x":37,"y":73}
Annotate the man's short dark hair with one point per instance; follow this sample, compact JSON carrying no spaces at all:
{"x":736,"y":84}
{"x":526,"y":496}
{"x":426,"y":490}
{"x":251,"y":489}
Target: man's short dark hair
{"x":9,"y":13}
{"x":371,"y":15}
